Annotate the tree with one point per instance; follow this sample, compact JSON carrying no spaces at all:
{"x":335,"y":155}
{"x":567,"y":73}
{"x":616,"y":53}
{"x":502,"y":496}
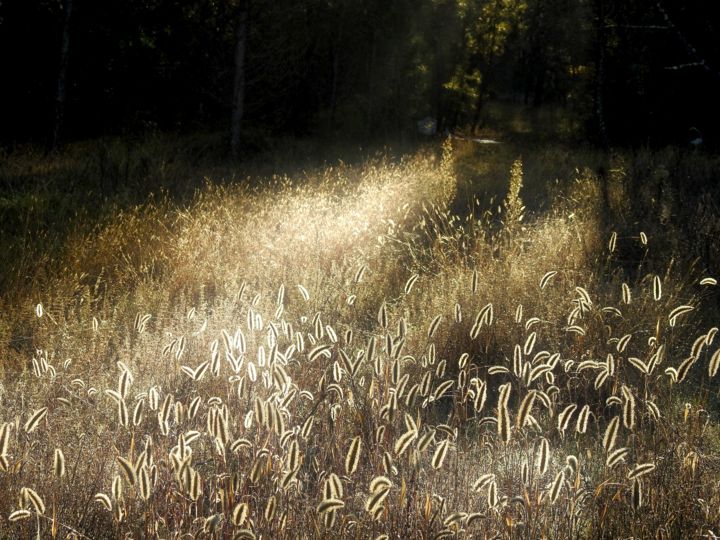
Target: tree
{"x":61,"y":92}
{"x":238,"y":102}
{"x":493,"y":23}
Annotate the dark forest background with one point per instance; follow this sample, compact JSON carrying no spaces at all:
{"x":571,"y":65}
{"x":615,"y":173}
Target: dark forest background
{"x":622,"y":71}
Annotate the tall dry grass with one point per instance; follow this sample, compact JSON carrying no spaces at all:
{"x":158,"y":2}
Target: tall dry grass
{"x":453,"y":344}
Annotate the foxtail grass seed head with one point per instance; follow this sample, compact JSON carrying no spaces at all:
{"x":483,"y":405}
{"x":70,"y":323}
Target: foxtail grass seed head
{"x":31,"y":497}
{"x":34,"y":421}
{"x":543,"y":456}
{"x":611,"y":433}
{"x":353,"y":456}
{"x":657,"y":288}
{"x":440,"y":454}
{"x":637,"y":494}
{"x":612,"y":244}
{"x":557,"y":486}
{"x":545,"y":280}
{"x":410,"y":283}
{"x":104,"y":501}
{"x":59,"y":463}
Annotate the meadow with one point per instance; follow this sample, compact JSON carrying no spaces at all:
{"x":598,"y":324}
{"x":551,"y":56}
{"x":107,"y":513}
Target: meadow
{"x":451,"y":341}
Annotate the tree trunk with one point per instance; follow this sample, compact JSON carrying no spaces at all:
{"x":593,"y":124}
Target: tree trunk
{"x":437,"y":88}
{"x":483,"y":94}
{"x":486,"y":79}
{"x":238,"y":105}
{"x":336,"y":47}
{"x":600,"y":72}
{"x":333,"y":87}
{"x":539,"y":90}
{"x":479,"y":102}
{"x":61,"y":90}
{"x":371,"y":87}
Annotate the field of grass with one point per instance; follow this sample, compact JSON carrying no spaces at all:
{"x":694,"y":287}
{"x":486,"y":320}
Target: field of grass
{"x":459,"y":342}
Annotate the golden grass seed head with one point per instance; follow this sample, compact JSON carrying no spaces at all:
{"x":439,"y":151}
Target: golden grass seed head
{"x":30,"y":496}
{"x":582,"y":420}
{"x":270,"y":509}
{"x":329,"y":505}
{"x":714,"y":363}
{"x":525,"y":409}
{"x":382,"y":316}
{"x":293,"y":456}
{"x":4,"y":438}
{"x":543,"y":456}
{"x":503,"y":423}
{"x":122,"y":412}
{"x":572,"y":464}
{"x":117,"y":489}
{"x":628,"y":409}
{"x":404,"y":442}
{"x":410,"y":283}
{"x":240,"y":514}
{"x":641,"y":469}
{"x":19,"y":515}
{"x":353,"y":455}
{"x":35,"y":419}
{"x":657,"y":288}
{"x":376,"y":500}
{"x":492,"y":496}
{"x":145,"y":484}
{"x":440,"y":454}
{"x":335,"y":486}
{"x":637,"y":494}
{"x":104,"y":500}
{"x":626,"y":294}
{"x":434,"y":326}
{"x":611,"y":433}
{"x":616,"y":456}
{"x":546,"y":278}
{"x":59,"y":463}
{"x":195,"y":488}
{"x":565,"y":416}
{"x":483,"y":482}
{"x":612,"y":243}
{"x":128,"y":470}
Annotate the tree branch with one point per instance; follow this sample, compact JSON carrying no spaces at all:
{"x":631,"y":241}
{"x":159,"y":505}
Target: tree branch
{"x":689,"y":48}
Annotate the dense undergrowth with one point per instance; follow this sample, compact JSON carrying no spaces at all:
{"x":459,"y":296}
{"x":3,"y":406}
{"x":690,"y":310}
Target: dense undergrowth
{"x":463,"y":342}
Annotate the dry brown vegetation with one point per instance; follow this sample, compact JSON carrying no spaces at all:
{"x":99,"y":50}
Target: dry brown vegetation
{"x":394,"y":349}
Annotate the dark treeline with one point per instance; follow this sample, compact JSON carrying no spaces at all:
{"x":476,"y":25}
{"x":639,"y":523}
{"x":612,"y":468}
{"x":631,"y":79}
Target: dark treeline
{"x":629,"y":71}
